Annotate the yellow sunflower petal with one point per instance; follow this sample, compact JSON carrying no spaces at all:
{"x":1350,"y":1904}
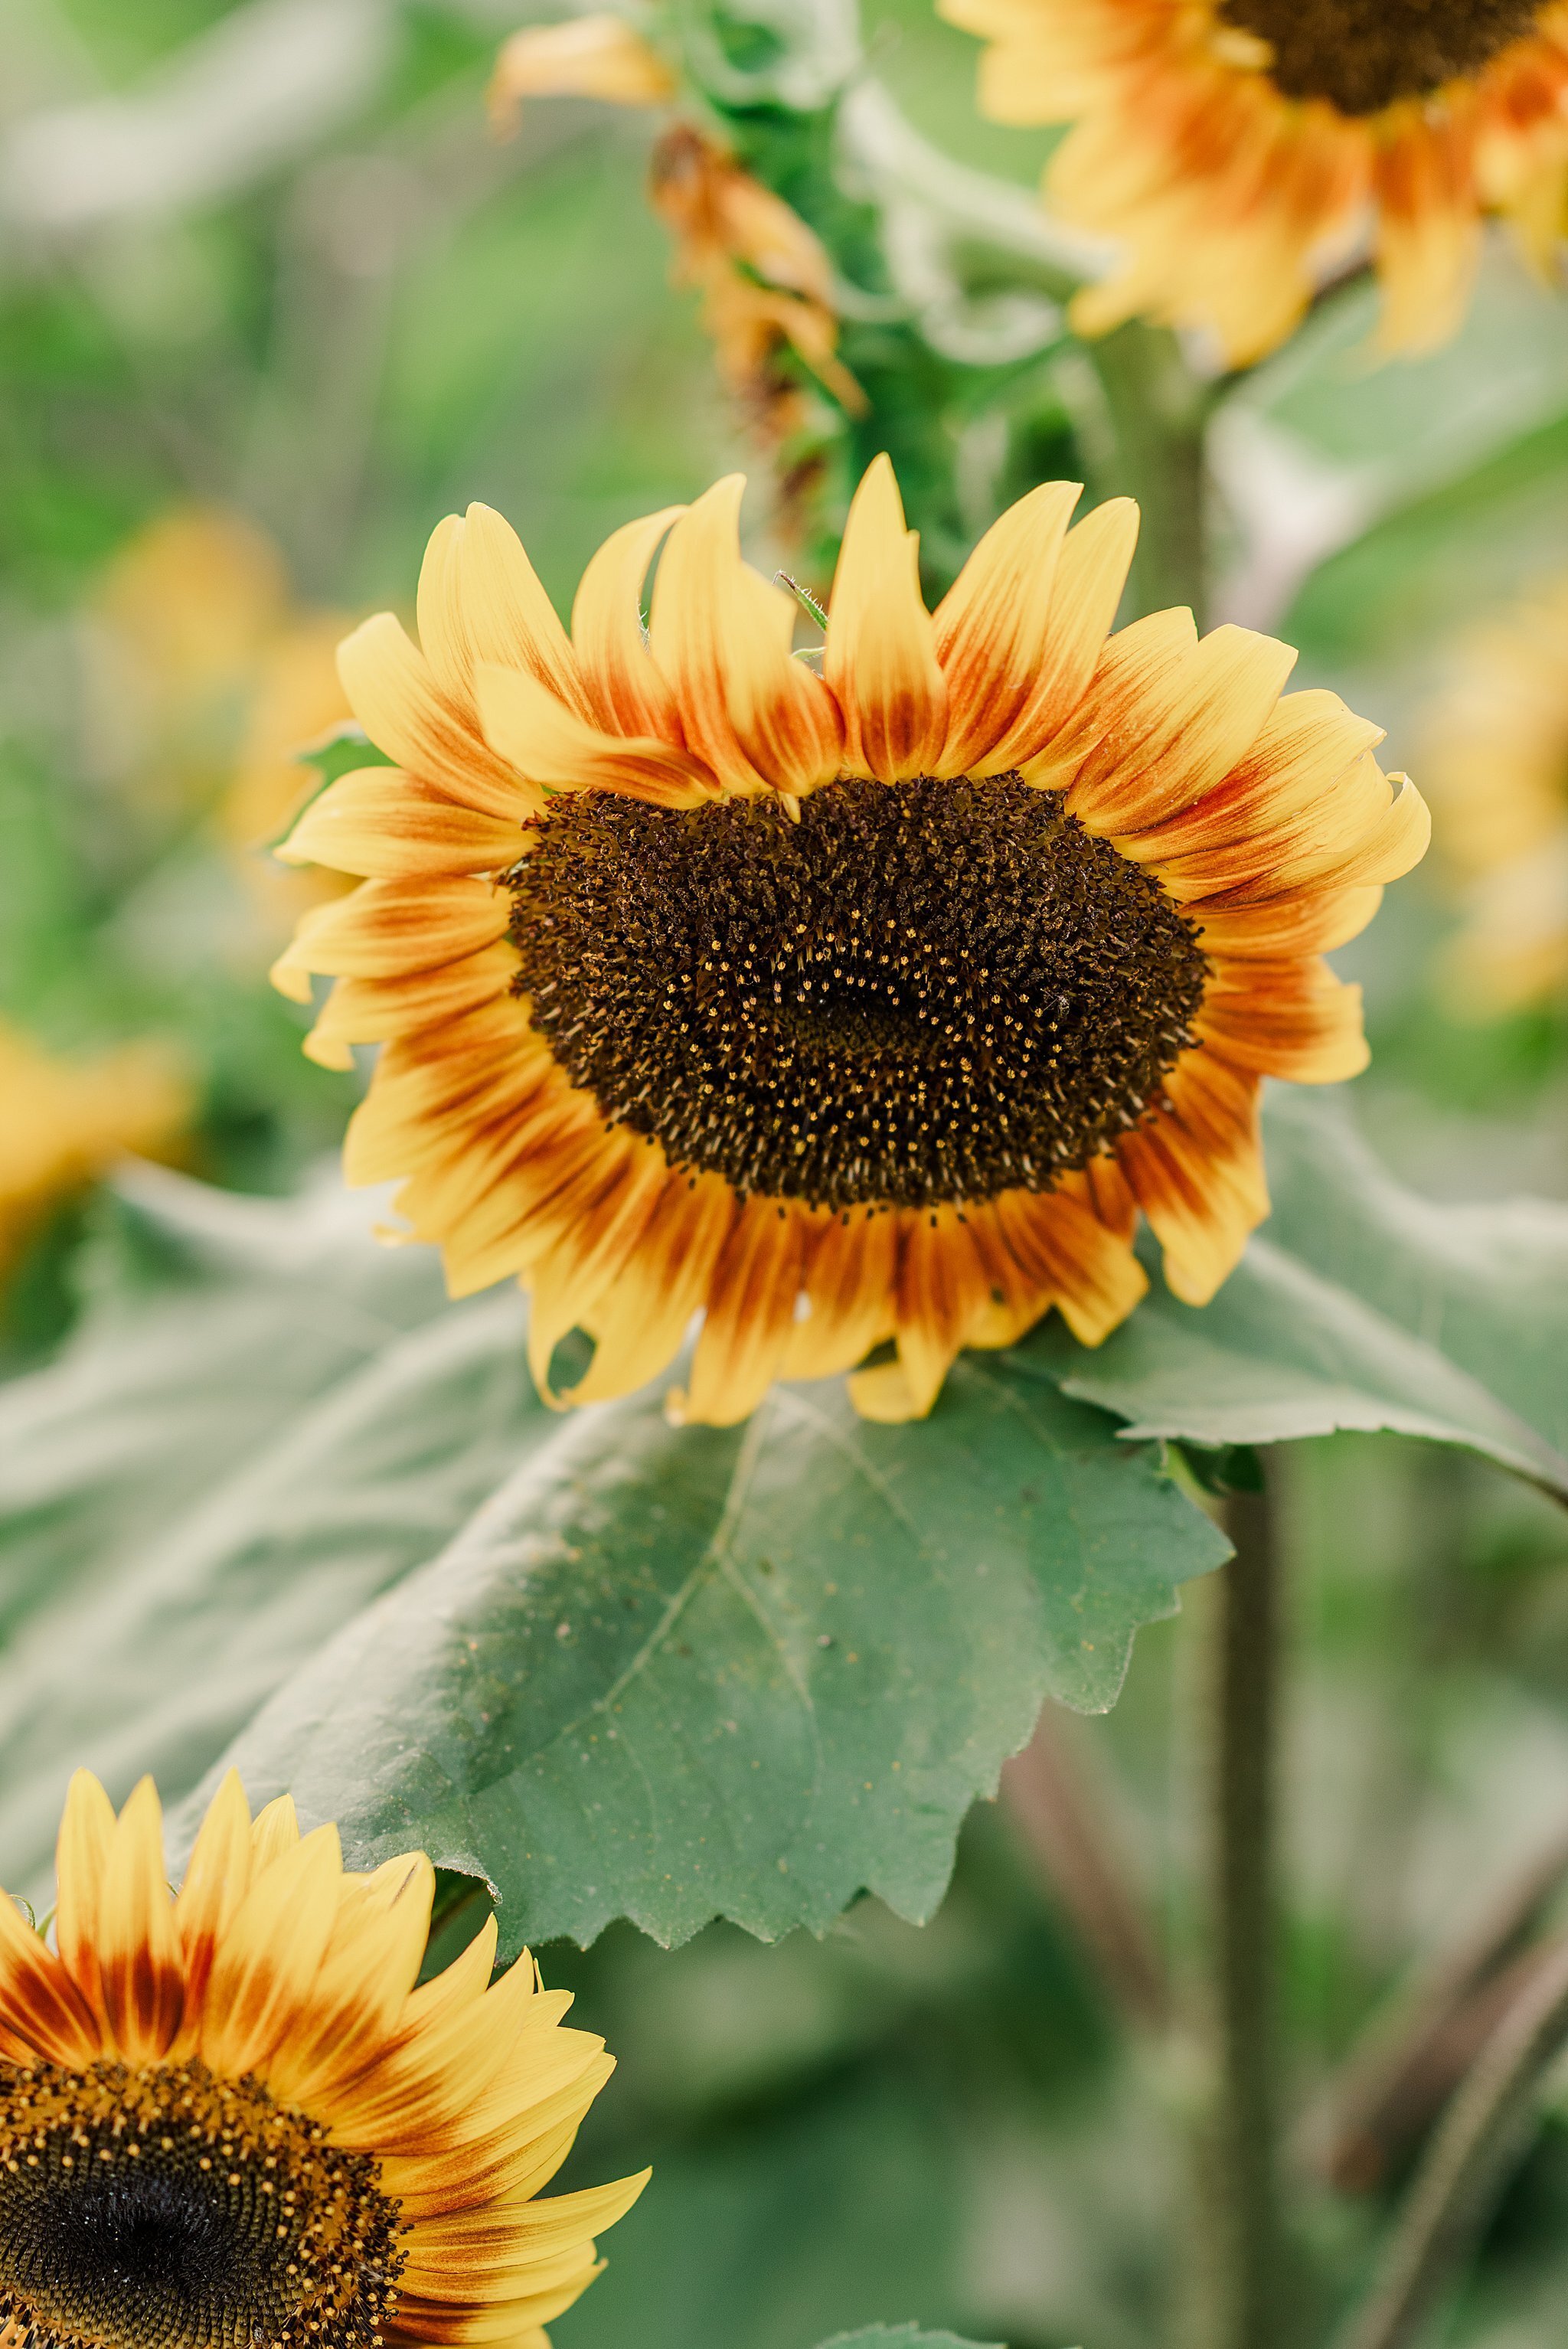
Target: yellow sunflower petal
{"x":991,"y":630}
{"x":370,"y":1964}
{"x":386,"y":825}
{"x":82,"y":1855}
{"x":546,"y":740}
{"x":631,"y":693}
{"x":722,"y":635}
{"x":1090,"y":576}
{"x":139,"y":1968}
{"x":39,"y":2002}
{"x":387,"y":928}
{"x":881,"y":660}
{"x":750,"y":1315}
{"x":215,"y":1883}
{"x":598,"y":56}
{"x":1186,"y":738}
{"x":480,"y":600}
{"x":398,"y":701}
{"x":268,"y":1959}
{"x":1197,"y":1171}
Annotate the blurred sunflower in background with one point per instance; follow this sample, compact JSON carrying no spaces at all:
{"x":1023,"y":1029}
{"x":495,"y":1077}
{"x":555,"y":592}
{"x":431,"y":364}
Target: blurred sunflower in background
{"x":1235,"y":149}
{"x":231,"y":2117}
{"x":765,"y":279}
{"x":215,"y":676}
{"x":1497,"y":756}
{"x":62,"y":1122}
{"x":856,"y":1003}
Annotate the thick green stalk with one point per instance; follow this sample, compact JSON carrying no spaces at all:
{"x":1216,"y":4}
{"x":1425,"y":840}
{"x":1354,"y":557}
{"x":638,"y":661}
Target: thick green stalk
{"x":1142,"y":437}
{"x":1233,"y":2297}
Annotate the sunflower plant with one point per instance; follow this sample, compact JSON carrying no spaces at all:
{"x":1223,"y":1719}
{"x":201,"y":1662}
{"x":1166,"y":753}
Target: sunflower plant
{"x":853,"y":1214}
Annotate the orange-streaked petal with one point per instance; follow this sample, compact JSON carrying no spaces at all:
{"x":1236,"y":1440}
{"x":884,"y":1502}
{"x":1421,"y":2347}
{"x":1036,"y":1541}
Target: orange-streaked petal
{"x":722,"y":635}
{"x":1093,"y":1277}
{"x":1090,"y":574}
{"x":570,"y":1281}
{"x":1295,"y":1020}
{"x":1184,"y":740}
{"x":39,"y":2002}
{"x":546,"y":741}
{"x":386,"y":825}
{"x":630,"y":692}
{"x":480,"y":600}
{"x":1197,"y":1171}
{"x":143,"y":1983}
{"x":880,"y":658}
{"x":1132,"y":670}
{"x":942,"y":1294}
{"x":849,"y":1285}
{"x":265,"y":1973}
{"x":370,"y":1965}
{"x":372,"y":1011}
{"x":639,"y":1325}
{"x":216,"y":1881}
{"x":397,"y":700}
{"x":992,"y":629}
{"x":750,"y":1315}
{"x":384,"y":928}
{"x":81,"y":1854}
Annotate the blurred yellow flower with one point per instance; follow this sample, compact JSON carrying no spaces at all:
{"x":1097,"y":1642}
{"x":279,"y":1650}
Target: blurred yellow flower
{"x":587,"y":56}
{"x":218,"y":677}
{"x":1235,"y":148}
{"x":765,"y":281}
{"x":62,"y":1122}
{"x":1497,"y":762}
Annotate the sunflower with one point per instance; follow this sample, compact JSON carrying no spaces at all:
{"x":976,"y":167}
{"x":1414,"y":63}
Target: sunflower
{"x":228,"y":2119}
{"x":215,"y":675}
{"x":765,"y":279}
{"x":1498,"y":751}
{"x":851,"y":1004}
{"x":1235,"y":149}
{"x":62,"y":1122}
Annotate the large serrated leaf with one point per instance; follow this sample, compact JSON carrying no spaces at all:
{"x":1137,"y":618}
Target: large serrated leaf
{"x":290,"y":1509}
{"x":896,"y":2336}
{"x":673,"y":1673}
{"x":1360,"y":1305}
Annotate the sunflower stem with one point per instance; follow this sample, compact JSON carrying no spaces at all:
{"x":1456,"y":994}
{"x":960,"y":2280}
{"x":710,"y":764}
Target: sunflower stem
{"x":1153,"y":421}
{"x":1236,"y":2302}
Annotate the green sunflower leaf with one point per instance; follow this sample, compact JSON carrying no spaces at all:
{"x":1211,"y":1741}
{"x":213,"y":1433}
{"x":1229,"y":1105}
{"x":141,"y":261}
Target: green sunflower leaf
{"x":343,"y":749}
{"x":278,"y":1504}
{"x":897,"y":2336}
{"x":673,"y":1673}
{"x":1359,"y":1305}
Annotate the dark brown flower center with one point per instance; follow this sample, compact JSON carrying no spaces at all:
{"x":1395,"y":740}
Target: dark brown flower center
{"x":163,"y":2209}
{"x":932,"y":991}
{"x":1362,"y":55}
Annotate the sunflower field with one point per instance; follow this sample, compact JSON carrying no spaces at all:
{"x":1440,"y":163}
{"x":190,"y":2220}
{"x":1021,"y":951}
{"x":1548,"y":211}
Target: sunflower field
{"x":784,"y":1175}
